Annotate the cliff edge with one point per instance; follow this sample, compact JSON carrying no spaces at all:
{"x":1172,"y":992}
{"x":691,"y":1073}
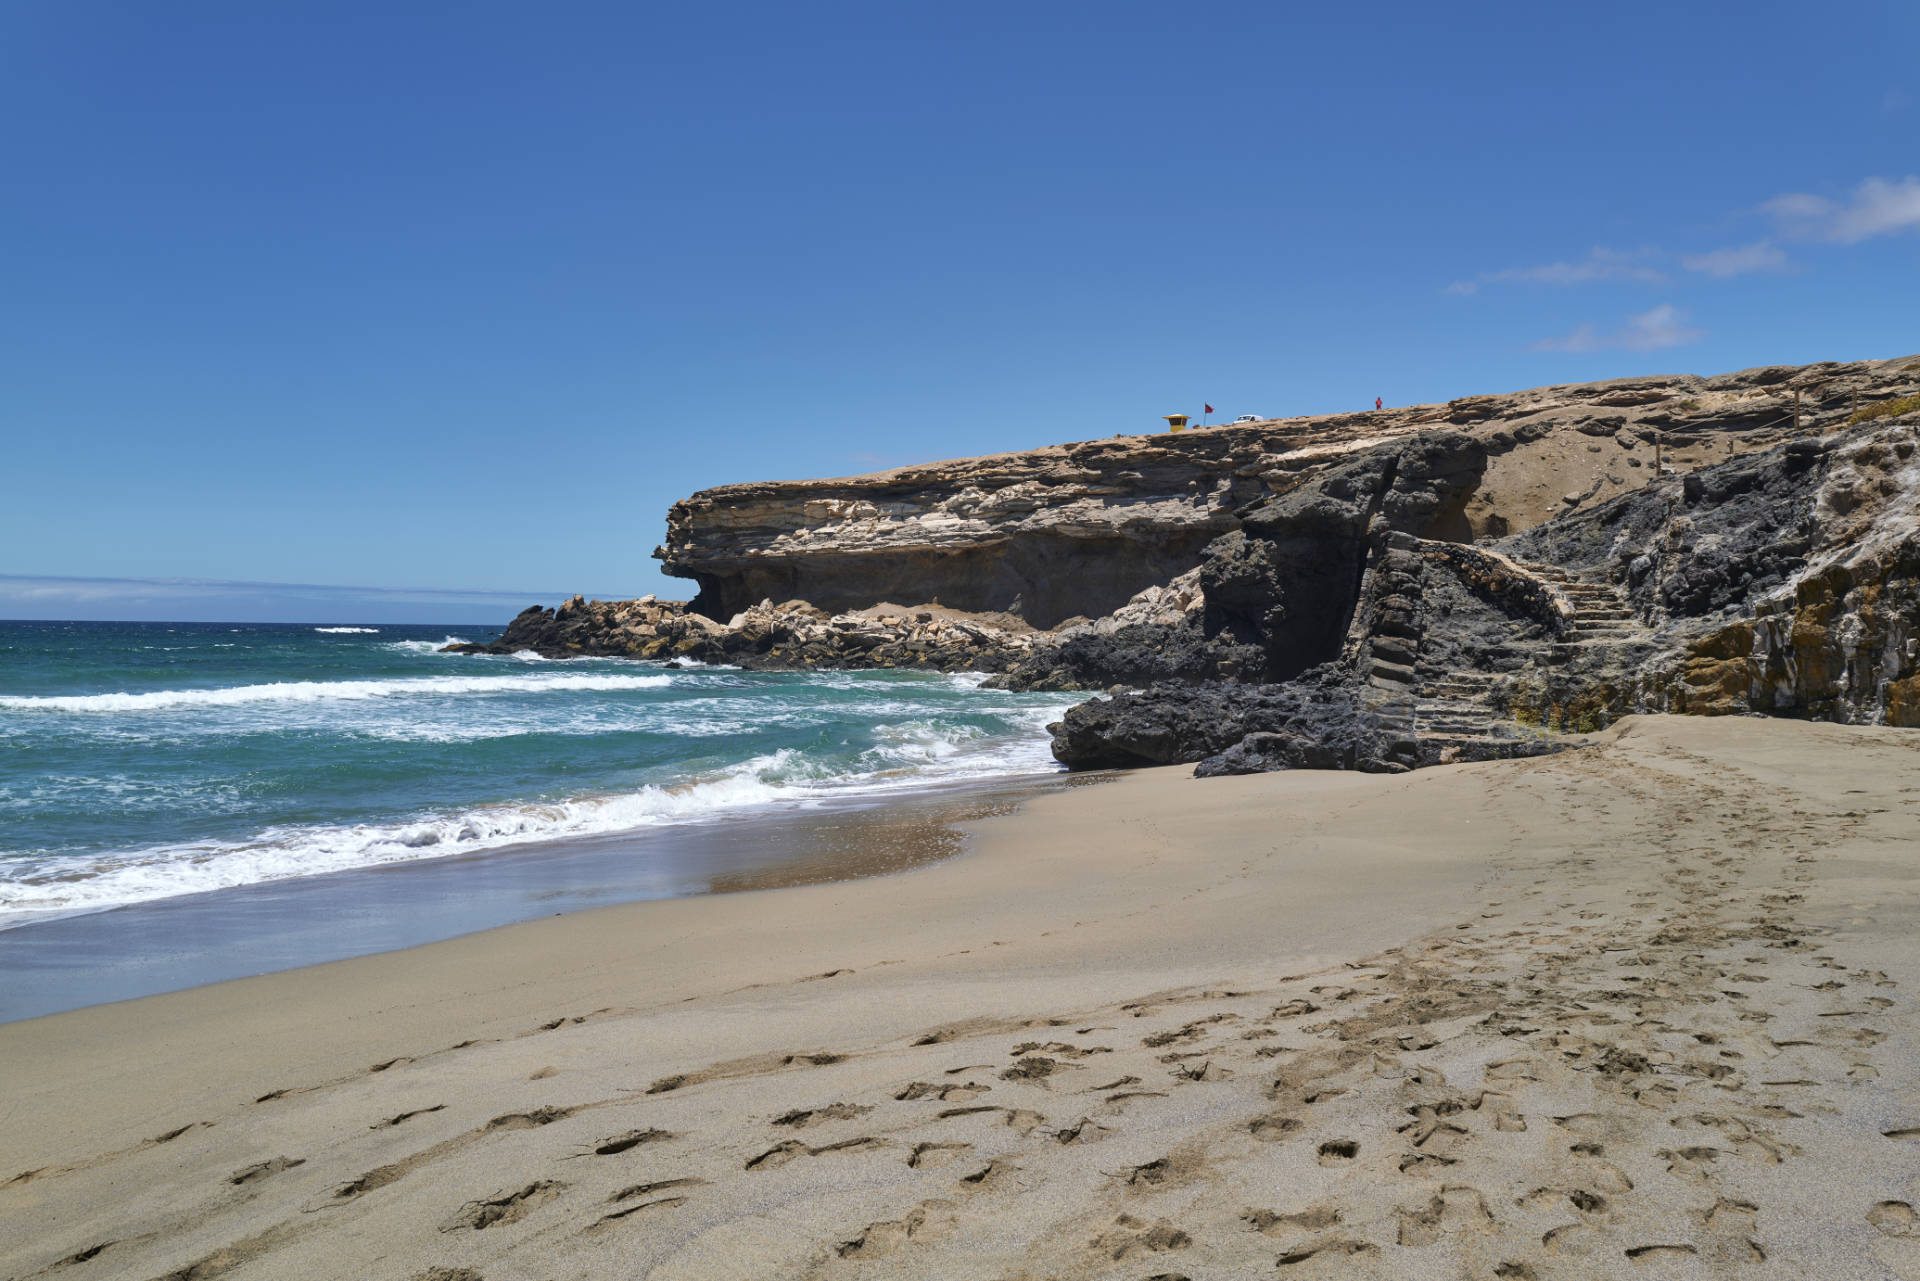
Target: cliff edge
{"x":1372,"y":591}
{"x":1078,"y":529}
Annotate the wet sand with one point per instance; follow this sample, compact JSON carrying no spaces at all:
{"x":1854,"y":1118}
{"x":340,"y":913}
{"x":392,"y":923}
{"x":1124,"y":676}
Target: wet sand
{"x":163,"y":946}
{"x":1639,"y":1010}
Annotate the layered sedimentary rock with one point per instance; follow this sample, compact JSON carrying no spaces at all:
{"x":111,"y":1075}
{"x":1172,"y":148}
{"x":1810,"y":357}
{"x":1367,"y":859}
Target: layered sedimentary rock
{"x":1078,"y":529}
{"x":1375,"y":591}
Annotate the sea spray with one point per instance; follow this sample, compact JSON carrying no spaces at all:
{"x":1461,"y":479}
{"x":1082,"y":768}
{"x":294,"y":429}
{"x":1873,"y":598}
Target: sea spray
{"x":147,"y":761}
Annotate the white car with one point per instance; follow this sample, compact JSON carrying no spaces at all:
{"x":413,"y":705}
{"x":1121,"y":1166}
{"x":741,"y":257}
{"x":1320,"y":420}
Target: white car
{"x":1246,"y":418}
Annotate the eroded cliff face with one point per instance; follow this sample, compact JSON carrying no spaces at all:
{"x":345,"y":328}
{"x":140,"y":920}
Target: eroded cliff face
{"x":1078,"y":529}
{"x":1786,"y":584}
{"x":1376,"y":592}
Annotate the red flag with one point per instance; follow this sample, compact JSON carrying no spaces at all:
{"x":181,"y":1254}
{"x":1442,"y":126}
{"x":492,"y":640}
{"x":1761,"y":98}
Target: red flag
{"x":1209,"y":408}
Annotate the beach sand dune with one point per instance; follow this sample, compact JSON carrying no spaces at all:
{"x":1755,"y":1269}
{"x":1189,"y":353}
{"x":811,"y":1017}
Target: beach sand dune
{"x":1640,"y":1010}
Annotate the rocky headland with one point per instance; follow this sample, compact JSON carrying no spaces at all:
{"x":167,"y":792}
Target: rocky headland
{"x":1372,"y":591}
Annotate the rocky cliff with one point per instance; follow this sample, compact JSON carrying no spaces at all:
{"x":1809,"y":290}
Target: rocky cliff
{"x":1375,"y":591}
{"x":1078,"y":529}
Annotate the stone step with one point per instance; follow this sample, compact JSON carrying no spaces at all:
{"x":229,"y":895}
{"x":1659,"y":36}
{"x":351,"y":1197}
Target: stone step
{"x":1431,"y":719}
{"x":1395,"y":673}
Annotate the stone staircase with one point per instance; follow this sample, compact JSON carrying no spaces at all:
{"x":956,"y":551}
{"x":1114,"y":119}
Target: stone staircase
{"x":1601,"y":613}
{"x":1425,"y":709}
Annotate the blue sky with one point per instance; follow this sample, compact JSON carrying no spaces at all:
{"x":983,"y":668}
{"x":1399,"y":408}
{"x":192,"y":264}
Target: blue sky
{"x":460,"y":297}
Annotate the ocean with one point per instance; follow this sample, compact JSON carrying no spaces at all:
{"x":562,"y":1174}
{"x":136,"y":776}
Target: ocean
{"x":144,"y":762}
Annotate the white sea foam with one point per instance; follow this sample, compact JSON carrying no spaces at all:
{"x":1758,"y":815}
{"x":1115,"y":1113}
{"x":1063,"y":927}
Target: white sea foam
{"x":343,"y":631}
{"x":319,"y":691}
{"x":911,"y":754}
{"x":425,"y":646}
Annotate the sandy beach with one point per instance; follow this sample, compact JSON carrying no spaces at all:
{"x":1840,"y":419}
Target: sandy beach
{"x":1635,"y":1010}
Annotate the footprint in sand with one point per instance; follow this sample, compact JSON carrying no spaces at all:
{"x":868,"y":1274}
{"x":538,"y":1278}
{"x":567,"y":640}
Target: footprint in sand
{"x":931,"y":1156}
{"x":619,"y":1143}
{"x":1325,"y":1251}
{"x":262,"y":1169}
{"x":1130,"y":1238}
{"x":1895,"y":1219}
{"x":505,"y":1207}
{"x":782,"y":1153}
{"x":801,"y":1118}
{"x":926,"y":1221}
{"x":1455,"y":1208}
{"x":1316,"y":1218}
{"x":1338,"y":1151}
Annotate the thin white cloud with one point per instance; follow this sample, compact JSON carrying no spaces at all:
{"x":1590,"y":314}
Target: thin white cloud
{"x":1585,"y":338}
{"x":1761,"y":255}
{"x":1600,"y":264}
{"x":1877,"y":207}
{"x":1652,"y":330}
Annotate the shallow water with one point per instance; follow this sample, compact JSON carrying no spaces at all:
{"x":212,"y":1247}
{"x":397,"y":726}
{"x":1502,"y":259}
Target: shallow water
{"x":68,"y":962}
{"x":142,"y":762}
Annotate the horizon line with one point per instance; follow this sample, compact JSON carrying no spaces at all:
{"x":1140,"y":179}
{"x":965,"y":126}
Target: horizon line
{"x":190,"y":584}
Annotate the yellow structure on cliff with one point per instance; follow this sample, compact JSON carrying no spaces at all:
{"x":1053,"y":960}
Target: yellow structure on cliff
{"x":1176,"y":422}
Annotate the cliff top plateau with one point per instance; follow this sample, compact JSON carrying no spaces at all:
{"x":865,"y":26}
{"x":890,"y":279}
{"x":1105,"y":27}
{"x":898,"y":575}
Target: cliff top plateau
{"x":1366,"y":591}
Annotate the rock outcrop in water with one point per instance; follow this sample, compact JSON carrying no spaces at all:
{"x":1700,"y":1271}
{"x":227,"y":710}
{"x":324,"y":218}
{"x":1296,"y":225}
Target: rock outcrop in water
{"x":1372,"y":591}
{"x":768,"y":637}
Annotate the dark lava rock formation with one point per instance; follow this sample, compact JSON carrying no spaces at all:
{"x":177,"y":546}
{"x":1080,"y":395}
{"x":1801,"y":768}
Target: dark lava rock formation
{"x":1376,"y":591}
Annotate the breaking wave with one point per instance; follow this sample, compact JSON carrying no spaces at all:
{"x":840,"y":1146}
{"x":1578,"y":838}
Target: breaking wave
{"x":320,"y":691}
{"x":910,"y":754}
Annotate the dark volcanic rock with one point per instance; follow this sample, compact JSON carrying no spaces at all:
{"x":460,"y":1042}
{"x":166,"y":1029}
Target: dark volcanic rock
{"x":1136,"y":654}
{"x":1349,"y":592}
{"x":768,"y":637}
{"x":1263,"y":752}
{"x":1177,"y":724}
{"x":1321,"y":721}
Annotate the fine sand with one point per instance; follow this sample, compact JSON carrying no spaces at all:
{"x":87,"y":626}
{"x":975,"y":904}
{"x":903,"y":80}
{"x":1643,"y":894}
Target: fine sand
{"x":1640,"y":1010}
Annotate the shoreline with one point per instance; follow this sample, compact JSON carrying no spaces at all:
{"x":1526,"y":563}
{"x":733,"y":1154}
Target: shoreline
{"x":1638,"y":1007}
{"x":87,"y":958}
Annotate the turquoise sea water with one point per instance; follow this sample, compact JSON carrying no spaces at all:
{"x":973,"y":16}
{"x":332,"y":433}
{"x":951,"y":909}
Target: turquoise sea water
{"x":144,"y":761}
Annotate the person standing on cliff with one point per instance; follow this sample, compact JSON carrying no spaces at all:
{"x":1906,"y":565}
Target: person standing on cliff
{"x":1376,"y":404}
